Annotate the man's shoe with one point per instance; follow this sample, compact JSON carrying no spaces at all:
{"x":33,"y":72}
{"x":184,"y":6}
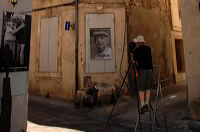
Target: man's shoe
{"x":142,"y":110}
{"x":146,"y":108}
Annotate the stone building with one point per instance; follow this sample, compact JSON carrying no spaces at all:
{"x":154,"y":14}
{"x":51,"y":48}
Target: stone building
{"x":152,"y":19}
{"x":190,"y":13}
{"x":177,"y":42}
{"x":62,"y":58}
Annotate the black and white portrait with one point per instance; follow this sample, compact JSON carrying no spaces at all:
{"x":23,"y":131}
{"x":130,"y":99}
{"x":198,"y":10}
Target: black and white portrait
{"x":16,"y":32}
{"x":100,"y":43}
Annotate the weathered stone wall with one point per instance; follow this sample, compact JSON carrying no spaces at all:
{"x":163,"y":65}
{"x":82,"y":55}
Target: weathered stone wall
{"x":176,"y":34}
{"x":175,"y":15}
{"x":191,"y":32}
{"x":120,"y":35}
{"x":60,"y":84}
{"x":47,"y":3}
{"x":156,"y":30}
{"x":156,"y":5}
{"x":149,"y":18}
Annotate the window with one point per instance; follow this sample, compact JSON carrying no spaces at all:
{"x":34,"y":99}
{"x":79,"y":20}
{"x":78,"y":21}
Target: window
{"x":48,"y":45}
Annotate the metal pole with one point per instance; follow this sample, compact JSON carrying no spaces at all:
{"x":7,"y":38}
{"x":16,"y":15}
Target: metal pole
{"x":157,"y":94}
{"x":76,"y":47}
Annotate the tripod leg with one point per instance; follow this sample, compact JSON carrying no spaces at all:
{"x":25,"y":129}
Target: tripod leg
{"x":150,"y":119}
{"x":155,"y":109}
{"x":166,"y":124}
{"x":121,"y":89}
{"x":156,"y":120}
{"x":164,"y":114}
{"x":138,"y":106}
{"x":139,"y":116}
{"x":136,"y":125}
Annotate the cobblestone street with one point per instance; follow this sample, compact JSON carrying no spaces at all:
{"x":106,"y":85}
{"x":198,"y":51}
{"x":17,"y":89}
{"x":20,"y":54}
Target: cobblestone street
{"x":48,"y":115}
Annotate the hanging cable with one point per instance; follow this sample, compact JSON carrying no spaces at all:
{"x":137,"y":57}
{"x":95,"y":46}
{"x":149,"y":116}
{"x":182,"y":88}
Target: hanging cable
{"x":125,"y":29}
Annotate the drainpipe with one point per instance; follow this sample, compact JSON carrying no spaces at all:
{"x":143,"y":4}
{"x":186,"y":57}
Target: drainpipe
{"x":76,"y":48}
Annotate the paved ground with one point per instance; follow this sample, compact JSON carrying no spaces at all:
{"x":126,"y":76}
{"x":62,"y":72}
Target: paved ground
{"x":48,"y":115}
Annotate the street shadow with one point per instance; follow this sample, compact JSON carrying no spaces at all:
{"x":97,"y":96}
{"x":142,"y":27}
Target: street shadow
{"x":85,"y":119}
{"x":42,"y":111}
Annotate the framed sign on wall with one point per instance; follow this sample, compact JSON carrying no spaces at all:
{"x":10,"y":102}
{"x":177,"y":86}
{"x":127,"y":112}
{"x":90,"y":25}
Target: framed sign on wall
{"x":100,"y":47}
{"x":16,"y":31}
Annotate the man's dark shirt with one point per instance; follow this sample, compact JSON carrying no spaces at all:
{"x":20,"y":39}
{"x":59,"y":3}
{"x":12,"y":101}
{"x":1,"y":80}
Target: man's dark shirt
{"x":143,"y":57}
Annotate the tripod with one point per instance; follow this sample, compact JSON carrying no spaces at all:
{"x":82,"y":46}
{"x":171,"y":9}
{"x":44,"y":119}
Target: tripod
{"x":154,"y":111}
{"x":120,"y":92}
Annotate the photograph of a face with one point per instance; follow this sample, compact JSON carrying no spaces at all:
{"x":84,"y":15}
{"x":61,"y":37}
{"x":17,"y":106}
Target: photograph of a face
{"x":100,"y":43}
{"x":15,"y":43}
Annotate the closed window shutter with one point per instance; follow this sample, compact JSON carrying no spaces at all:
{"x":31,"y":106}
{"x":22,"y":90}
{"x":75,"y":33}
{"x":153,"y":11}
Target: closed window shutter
{"x":48,"y":45}
{"x":44,"y":40}
{"x":53,"y":43}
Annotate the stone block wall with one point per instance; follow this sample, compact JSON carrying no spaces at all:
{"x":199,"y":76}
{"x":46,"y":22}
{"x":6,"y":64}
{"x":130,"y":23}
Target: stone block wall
{"x":191,"y":38}
{"x":155,"y":28}
{"x":132,"y":17}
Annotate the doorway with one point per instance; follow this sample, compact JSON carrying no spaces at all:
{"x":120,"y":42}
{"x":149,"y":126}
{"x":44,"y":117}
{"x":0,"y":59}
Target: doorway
{"x":180,"y":59}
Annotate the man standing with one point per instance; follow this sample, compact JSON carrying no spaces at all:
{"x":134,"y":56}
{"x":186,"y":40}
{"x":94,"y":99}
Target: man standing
{"x":143,"y":59}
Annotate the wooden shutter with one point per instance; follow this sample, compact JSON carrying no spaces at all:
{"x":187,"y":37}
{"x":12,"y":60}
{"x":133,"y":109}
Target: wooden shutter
{"x":44,"y":40}
{"x":48,"y":45}
{"x":53,"y":43}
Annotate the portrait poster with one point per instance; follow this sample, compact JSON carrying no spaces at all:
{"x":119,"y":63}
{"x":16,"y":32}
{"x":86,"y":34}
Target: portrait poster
{"x":100,"y":43}
{"x":15,"y":43}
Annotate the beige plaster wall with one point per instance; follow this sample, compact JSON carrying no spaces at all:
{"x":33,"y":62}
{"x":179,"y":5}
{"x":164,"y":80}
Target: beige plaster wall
{"x":60,"y":84}
{"x":176,"y":20}
{"x":156,"y":30}
{"x":120,"y":35}
{"x":156,"y":5}
{"x":149,"y":18}
{"x":176,"y":33}
{"x":46,"y":3}
{"x":191,"y":32}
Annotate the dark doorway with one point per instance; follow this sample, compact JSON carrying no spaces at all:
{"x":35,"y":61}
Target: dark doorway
{"x":180,"y":59}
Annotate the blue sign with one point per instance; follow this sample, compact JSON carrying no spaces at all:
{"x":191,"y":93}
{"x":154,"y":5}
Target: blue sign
{"x":67,"y":25}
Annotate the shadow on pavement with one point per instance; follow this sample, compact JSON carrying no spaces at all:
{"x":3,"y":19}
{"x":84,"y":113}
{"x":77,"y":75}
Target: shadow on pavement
{"x":54,"y":113}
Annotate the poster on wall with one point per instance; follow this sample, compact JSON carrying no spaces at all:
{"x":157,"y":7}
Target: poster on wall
{"x":15,"y":43}
{"x":100,"y":43}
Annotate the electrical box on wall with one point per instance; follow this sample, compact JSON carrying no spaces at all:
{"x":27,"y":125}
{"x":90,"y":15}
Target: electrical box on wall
{"x":67,"y":25}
